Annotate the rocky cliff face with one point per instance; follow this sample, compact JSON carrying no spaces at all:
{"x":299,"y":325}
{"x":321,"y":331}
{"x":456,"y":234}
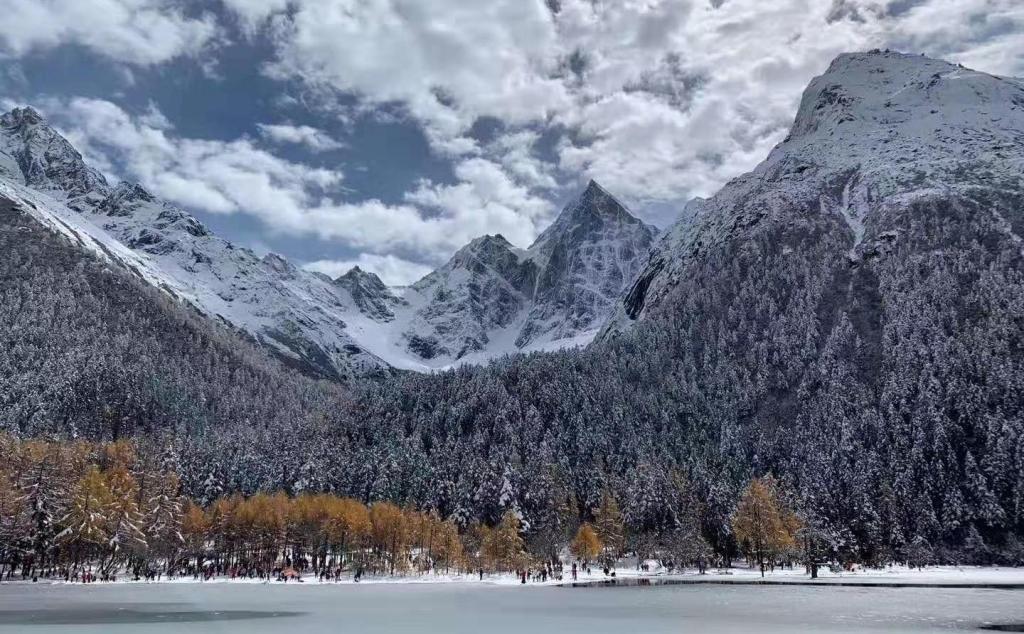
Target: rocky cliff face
{"x":586,"y":258}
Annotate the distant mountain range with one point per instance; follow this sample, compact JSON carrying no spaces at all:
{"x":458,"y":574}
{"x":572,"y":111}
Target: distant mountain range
{"x":490,"y":299}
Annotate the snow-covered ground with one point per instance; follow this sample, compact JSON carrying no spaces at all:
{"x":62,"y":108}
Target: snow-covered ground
{"x":892,"y":575}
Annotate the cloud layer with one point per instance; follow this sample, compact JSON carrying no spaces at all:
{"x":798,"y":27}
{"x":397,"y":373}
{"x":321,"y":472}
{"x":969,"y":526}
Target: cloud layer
{"x":659,"y":100}
{"x":224,"y":177}
{"x":663,"y":99}
{"x":312,"y":138}
{"x":141,"y":32}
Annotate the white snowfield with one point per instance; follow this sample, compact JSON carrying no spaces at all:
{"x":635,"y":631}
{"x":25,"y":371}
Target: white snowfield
{"x":490,"y":299}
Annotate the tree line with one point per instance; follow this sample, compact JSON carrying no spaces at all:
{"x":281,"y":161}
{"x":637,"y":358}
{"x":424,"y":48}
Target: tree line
{"x":81,"y":510}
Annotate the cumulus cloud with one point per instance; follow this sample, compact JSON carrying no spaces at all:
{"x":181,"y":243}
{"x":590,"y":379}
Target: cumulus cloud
{"x":142,"y":32}
{"x":394,"y":271}
{"x":660,"y":100}
{"x":313,"y":139}
{"x":214,"y":176}
{"x":448,"y":61}
{"x":484,"y":200}
{"x":228,"y":177}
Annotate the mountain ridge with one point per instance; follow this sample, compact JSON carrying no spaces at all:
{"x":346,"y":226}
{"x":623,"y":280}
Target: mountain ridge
{"x":344,"y":328}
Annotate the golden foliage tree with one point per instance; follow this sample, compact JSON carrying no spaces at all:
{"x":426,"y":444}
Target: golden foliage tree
{"x":447,"y":547}
{"x":586,"y":545}
{"x":194,"y":527}
{"x":502,"y":546}
{"x":88,"y":519}
{"x":763,"y":526}
{"x":389,"y":531}
{"x":346,"y":525}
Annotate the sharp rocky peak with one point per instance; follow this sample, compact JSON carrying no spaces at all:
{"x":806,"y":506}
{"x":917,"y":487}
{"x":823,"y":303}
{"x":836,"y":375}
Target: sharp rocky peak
{"x":356,"y":275}
{"x":596,"y":201}
{"x":46,"y":160}
{"x":280,"y":264}
{"x":20,"y":117}
{"x":594,"y":212}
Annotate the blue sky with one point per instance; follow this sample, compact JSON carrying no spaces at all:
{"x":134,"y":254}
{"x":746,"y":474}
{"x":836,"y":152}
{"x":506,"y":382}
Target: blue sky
{"x":389,"y":133}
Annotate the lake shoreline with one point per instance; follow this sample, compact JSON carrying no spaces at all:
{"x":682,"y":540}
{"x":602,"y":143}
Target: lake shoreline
{"x":948,"y":577}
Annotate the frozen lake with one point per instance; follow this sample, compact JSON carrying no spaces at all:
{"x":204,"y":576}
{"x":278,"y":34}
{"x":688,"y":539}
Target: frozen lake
{"x":458,"y":608}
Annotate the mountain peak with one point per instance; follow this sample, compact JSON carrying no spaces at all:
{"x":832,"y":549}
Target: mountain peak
{"x":590,"y":213}
{"x":18,"y":117}
{"x":279,"y":264}
{"x":600,"y":201}
{"x":356,"y":275}
{"x":898,"y":94}
{"x":489,"y":240}
{"x":46,"y":160}
{"x":370,"y":294}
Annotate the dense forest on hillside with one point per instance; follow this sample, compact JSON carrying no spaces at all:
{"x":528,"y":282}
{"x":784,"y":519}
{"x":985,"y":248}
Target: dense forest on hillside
{"x":917,"y":453}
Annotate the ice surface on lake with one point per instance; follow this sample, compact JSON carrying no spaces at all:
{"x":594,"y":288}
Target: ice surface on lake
{"x":452,"y":608}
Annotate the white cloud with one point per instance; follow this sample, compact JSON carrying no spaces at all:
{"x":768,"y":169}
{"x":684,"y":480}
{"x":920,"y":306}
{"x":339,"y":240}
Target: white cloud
{"x":229,"y":177}
{"x":142,"y":32}
{"x":661,"y":99}
{"x":485,"y":200}
{"x":392,"y":270}
{"x":314,"y":139}
{"x":516,"y":152}
{"x":447,"y":61}
{"x":214,"y":176}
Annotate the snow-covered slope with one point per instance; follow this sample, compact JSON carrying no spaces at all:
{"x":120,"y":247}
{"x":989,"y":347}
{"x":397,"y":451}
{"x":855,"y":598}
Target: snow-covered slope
{"x":877,"y":133}
{"x":490,"y":299}
{"x":298,"y":315}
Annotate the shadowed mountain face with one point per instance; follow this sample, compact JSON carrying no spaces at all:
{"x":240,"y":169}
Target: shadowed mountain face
{"x":851,"y":310}
{"x":489,"y":300}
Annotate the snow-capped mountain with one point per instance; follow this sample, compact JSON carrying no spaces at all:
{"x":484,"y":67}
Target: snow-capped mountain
{"x":490,"y":299}
{"x":876,"y":138}
{"x":298,"y":315}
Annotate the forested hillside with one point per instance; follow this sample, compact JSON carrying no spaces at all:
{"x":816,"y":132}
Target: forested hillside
{"x":89,"y":350}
